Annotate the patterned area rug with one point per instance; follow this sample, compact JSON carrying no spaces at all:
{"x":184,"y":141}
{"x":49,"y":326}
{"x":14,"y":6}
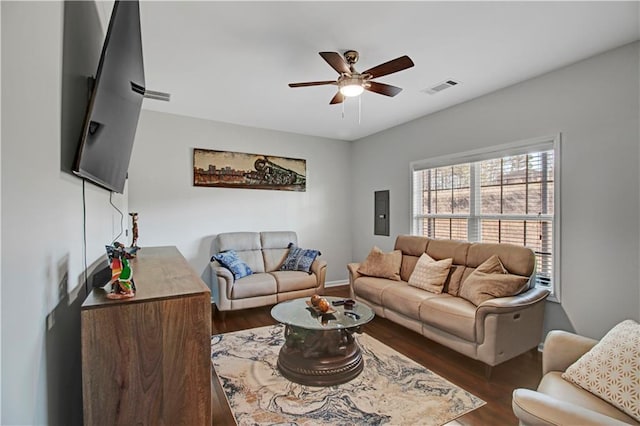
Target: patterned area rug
{"x":392,"y":389}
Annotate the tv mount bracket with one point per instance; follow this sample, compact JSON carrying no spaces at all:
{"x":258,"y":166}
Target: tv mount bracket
{"x":150,"y":94}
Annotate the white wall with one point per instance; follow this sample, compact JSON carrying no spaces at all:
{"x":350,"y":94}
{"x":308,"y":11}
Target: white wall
{"x":174,"y":212}
{"x":594,"y":104}
{"x":42,"y":224}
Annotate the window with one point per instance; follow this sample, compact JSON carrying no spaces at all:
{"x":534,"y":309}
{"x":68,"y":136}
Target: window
{"x":507,"y":194}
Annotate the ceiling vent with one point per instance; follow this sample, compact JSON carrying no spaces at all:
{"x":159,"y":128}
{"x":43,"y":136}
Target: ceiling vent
{"x":441,"y":86}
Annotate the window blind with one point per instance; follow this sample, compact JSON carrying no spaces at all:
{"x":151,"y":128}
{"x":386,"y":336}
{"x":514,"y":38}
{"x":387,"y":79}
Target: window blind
{"x":507,"y":198}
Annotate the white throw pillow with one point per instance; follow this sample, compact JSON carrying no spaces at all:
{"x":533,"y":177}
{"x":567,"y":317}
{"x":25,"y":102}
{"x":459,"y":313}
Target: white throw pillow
{"x":611,"y":369}
{"x":430,"y":274}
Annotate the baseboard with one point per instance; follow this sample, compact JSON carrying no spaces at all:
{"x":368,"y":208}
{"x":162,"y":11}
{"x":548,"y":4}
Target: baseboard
{"x":336,"y":283}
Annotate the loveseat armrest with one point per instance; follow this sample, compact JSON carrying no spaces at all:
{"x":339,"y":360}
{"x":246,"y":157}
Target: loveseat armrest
{"x":535,"y":408}
{"x":561,"y":349}
{"x":319,"y":269}
{"x":221,"y":285}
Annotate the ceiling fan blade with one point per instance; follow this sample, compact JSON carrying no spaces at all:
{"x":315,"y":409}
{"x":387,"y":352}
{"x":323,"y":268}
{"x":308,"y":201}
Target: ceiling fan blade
{"x":394,"y":65}
{"x":312,"y":83}
{"x":337,"y":63}
{"x":383,"y":89}
{"x":337,"y":99}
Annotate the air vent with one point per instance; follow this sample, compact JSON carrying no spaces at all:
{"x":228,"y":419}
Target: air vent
{"x":441,"y":86}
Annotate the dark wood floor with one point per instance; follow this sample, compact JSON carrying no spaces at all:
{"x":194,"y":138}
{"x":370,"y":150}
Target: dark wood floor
{"x":523,"y":371}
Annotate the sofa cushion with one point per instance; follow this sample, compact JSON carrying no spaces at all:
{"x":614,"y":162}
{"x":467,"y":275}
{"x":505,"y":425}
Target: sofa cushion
{"x":452,"y":314}
{"x":491,"y":280}
{"x":412,"y":247}
{"x":457,"y":250}
{"x":516,"y":259}
{"x":611,"y":368}
{"x":405,"y":299}
{"x":554,"y":385}
{"x":299,"y":259}
{"x":430,"y":274}
{"x":294,"y":280}
{"x":371,"y":288}
{"x":254,"y":285}
{"x":382,"y":265}
{"x":229,"y":259}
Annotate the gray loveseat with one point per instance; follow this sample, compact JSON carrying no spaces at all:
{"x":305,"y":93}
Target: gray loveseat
{"x":265,"y":253}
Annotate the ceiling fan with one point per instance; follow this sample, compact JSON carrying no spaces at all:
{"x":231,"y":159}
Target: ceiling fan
{"x":352,"y":83}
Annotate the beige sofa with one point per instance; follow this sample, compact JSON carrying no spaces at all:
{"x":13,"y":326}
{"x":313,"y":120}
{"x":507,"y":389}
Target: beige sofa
{"x":264,"y":252}
{"x":559,"y":402}
{"x":493,"y":332}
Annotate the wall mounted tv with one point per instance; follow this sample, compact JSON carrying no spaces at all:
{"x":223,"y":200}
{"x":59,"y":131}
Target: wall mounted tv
{"x":114,"y":107}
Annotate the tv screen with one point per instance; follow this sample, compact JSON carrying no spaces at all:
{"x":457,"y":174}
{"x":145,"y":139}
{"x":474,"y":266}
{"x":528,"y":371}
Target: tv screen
{"x":114,"y":107}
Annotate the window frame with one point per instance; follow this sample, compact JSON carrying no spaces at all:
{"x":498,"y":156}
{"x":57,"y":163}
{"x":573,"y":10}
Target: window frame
{"x":552,"y":142}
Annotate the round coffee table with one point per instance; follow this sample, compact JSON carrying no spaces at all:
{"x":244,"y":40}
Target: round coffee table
{"x":319,"y":349}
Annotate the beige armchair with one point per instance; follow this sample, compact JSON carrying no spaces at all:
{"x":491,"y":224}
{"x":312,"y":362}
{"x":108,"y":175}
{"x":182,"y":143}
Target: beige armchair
{"x":559,"y":402}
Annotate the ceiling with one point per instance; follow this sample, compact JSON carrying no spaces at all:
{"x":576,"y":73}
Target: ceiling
{"x":232,"y":61}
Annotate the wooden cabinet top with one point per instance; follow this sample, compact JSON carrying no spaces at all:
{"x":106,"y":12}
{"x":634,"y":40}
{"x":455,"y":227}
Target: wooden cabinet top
{"x":159,"y":273}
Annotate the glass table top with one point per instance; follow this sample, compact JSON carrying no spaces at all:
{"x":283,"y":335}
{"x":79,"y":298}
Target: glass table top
{"x":298,"y":314}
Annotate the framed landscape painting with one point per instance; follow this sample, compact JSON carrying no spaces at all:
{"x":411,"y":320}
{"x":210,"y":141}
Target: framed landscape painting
{"x":242,"y":170}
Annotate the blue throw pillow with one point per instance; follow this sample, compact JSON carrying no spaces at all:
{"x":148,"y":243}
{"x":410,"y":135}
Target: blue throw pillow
{"x":229,"y":259}
{"x":299,"y":259}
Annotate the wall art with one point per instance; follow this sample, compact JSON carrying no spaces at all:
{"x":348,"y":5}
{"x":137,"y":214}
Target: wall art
{"x":242,"y":170}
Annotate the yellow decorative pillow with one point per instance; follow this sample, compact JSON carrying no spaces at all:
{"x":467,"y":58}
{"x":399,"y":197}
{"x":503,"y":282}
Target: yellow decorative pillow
{"x":491,"y":280}
{"x":430,"y":274}
{"x":382,"y":265}
{"x":610,"y":370}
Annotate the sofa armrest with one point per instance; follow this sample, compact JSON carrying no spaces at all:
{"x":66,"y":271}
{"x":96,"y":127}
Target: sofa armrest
{"x":561,"y":349}
{"x":514,"y":303}
{"x":535,"y":408}
{"x":319,"y":269}
{"x":353,"y":271}
{"x":353,"y":275}
{"x":508,"y":326}
{"x":221,"y":285}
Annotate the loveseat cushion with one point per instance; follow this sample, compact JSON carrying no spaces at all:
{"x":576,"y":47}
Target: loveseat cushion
{"x":452,"y":314}
{"x":229,"y":259}
{"x":247,"y":245}
{"x":405,"y":299}
{"x":294,"y":280}
{"x":299,"y":259}
{"x":371,"y":288}
{"x":260,"y":284}
{"x":275,"y":248}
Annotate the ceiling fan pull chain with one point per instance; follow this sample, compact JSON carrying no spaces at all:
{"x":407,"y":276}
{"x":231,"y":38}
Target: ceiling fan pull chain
{"x":343,"y":108}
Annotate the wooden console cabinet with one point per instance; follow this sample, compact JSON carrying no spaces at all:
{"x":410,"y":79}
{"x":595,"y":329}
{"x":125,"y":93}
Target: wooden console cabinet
{"x":146,"y":360}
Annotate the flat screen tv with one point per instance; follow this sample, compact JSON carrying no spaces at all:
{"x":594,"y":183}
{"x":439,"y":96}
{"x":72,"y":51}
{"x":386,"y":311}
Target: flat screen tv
{"x":114,"y":107}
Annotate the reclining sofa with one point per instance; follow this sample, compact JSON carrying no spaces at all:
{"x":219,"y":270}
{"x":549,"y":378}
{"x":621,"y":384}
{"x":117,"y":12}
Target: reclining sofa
{"x":495,"y":331}
{"x":264,"y":253}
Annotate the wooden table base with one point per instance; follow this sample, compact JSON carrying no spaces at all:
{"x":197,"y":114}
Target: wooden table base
{"x":320,"y":357}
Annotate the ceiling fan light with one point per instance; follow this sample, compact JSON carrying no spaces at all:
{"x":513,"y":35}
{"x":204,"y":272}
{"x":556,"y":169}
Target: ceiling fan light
{"x":351,"y":90}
